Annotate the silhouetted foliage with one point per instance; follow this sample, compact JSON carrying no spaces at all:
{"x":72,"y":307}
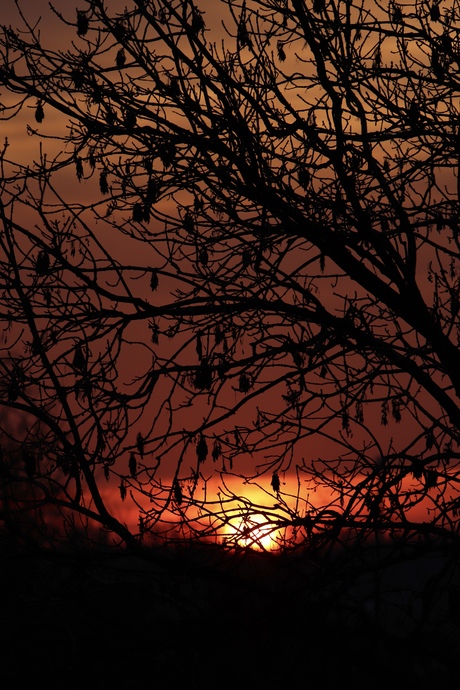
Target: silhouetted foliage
{"x":234,"y":259}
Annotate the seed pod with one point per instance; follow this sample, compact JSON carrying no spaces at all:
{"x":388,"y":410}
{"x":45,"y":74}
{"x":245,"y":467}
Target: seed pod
{"x":197,"y":21}
{"x":122,"y":488}
{"x":216,"y":450}
{"x":435,"y":14}
{"x":82,"y":23}
{"x":130,"y":119}
{"x":395,"y":410}
{"x":202,"y":449}
{"x":384,"y":414}
{"x":138,"y":213}
{"x":218,"y":335}
{"x":78,"y":78}
{"x":132,"y":465}
{"x":203,"y":257}
{"x":153,"y":280}
{"x":119,"y":30}
{"x":397,"y":17}
{"x":79,"y":168}
{"x":103,"y":186}
{"x":79,"y":359}
{"x":189,"y":222}
{"x":203,"y":376}
{"x":244,"y":383}
{"x":140,"y":443}
{"x":280,"y":50}
{"x":431,"y":478}
{"x":199,"y":347}
{"x":39,"y":114}
{"x":141,"y":525}
{"x":42,"y":263}
{"x":275,"y":483}
{"x":417,"y":468}
{"x":121,"y":58}
{"x":178,"y":495}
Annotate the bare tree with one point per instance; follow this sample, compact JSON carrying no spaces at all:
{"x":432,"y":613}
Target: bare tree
{"x":234,"y":259}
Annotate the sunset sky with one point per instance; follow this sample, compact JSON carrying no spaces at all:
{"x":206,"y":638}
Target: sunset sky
{"x":292,"y":269}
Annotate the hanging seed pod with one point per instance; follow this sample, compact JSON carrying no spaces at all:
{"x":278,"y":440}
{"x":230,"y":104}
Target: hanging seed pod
{"x":304,"y":177}
{"x":243,"y":36}
{"x":122,"y":488}
{"x":141,"y":525}
{"x":218,"y":335}
{"x":384,"y":414}
{"x":396,"y":410}
{"x":103,"y":186}
{"x":79,"y":168}
{"x":413,"y":113}
{"x":146,"y":212}
{"x":132,"y":465}
{"x":153,"y":280}
{"x":82,"y":23}
{"x":79,"y":359}
{"x":155,"y":331}
{"x":397,"y":16}
{"x":275,"y":483}
{"x":121,"y":58}
{"x":244,"y":383}
{"x":429,"y":440}
{"x":197,"y":24}
{"x":178,"y":495}
{"x":280,"y":51}
{"x":203,"y":257}
{"x":92,"y":159}
{"x":42,"y":264}
{"x":140,"y":444}
{"x":202,"y":449}
{"x":153,"y":188}
{"x":78,"y":78}
{"x":216,"y":450}
{"x":203,"y":376}
{"x":39,"y":114}
{"x":130,"y":118}
{"x":431,"y":478}
{"x":435,"y":13}
{"x":119,"y":31}
{"x":377,"y":59}
{"x":138,"y":213}
{"x":246,"y":258}
{"x":417,"y":469}
{"x":199,"y":346}
{"x":359,"y":415}
{"x":106,"y":472}
{"x":189,"y":222}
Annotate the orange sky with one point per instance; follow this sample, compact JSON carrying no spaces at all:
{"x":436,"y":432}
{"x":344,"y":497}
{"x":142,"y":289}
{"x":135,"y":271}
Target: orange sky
{"x":24,"y":148}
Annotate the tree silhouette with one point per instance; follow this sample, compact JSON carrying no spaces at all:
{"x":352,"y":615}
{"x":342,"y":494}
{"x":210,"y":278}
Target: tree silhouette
{"x":232,"y":251}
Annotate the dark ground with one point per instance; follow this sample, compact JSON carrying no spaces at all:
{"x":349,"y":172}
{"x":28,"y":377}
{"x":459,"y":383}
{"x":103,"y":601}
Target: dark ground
{"x":197,"y":618}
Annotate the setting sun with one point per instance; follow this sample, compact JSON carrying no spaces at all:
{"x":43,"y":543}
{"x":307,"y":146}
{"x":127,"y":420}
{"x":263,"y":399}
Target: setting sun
{"x":254,"y":531}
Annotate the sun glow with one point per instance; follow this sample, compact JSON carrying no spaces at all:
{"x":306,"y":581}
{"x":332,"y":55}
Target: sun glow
{"x":253,"y":531}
